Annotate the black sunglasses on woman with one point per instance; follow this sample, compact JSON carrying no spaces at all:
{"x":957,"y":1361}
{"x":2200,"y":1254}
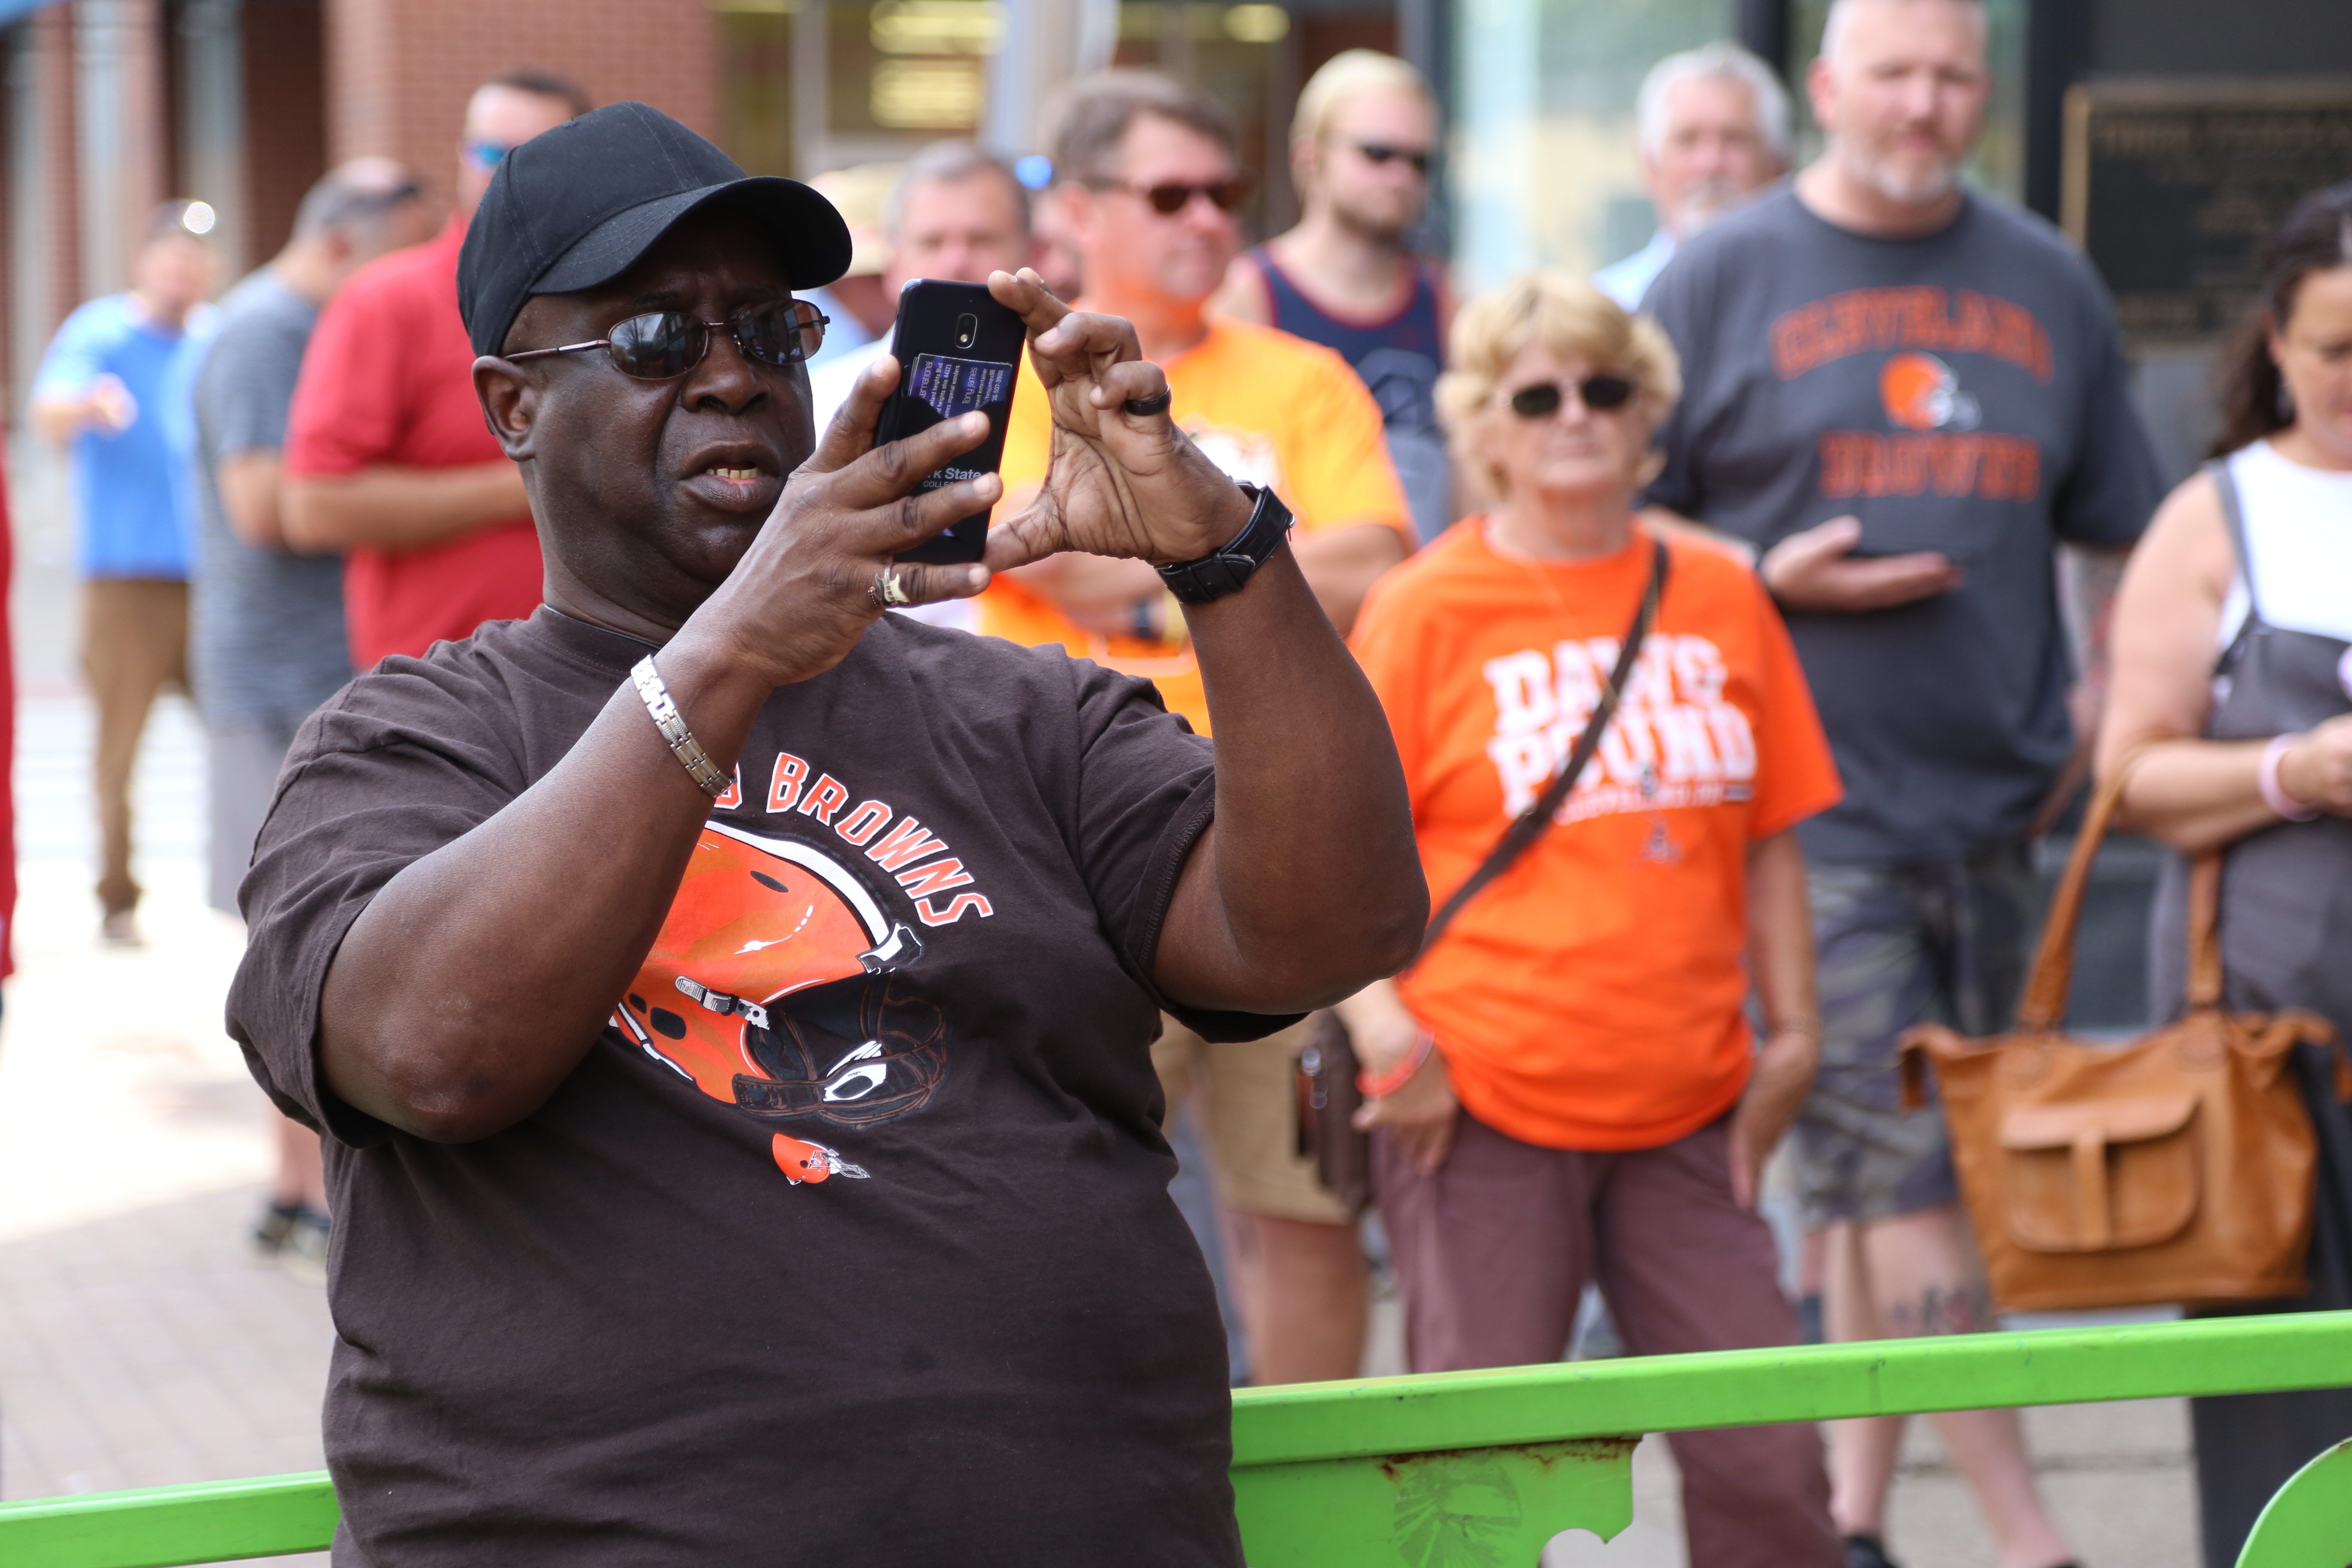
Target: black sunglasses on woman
{"x":1601,"y":393}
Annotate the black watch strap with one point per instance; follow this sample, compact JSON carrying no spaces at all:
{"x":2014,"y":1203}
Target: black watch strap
{"x":1225,"y":570}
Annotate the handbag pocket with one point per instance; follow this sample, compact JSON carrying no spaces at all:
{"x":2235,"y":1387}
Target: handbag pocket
{"x":2099,"y":1175}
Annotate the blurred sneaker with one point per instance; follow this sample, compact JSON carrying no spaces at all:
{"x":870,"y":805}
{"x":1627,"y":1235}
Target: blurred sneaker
{"x":304,"y":1251}
{"x":276,"y":1224}
{"x":121,"y":929}
{"x":1866,"y":1552}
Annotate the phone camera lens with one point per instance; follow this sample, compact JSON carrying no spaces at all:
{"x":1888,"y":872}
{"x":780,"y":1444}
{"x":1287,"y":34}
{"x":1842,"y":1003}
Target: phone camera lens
{"x":967,"y":330}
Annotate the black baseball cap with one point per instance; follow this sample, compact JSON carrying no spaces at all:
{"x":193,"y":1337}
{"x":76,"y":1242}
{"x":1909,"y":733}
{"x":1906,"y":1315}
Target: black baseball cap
{"x":575,"y":206}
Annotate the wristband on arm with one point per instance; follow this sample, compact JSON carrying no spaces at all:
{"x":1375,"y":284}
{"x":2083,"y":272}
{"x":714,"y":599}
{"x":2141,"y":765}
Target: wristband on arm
{"x":2273,"y":789}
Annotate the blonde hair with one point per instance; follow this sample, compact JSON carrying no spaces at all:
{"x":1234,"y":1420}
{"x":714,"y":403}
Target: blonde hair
{"x":1572,"y":319}
{"x":1343,"y":76}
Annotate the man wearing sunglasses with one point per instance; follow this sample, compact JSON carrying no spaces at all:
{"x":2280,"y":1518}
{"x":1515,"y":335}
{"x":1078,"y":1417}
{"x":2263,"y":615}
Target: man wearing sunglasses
{"x":1346,"y":276}
{"x":729,"y":1006}
{"x":1150,"y":196}
{"x":387,"y":460}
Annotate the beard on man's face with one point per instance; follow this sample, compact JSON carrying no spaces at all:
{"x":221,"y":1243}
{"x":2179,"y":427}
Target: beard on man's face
{"x":1909,"y":187}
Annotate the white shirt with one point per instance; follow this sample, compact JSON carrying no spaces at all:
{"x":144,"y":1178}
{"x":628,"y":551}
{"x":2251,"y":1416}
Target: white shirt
{"x":2298,"y":523}
{"x":1626,"y":282}
{"x":831,"y":379}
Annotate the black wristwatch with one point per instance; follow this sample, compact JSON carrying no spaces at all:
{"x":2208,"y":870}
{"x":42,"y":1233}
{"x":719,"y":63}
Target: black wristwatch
{"x":1225,"y":570}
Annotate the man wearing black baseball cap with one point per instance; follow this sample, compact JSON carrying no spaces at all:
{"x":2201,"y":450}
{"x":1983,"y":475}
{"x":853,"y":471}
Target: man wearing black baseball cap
{"x":729,"y":1007}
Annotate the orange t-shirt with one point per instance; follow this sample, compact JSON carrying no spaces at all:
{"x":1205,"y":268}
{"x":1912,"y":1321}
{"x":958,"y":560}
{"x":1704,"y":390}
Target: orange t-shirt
{"x":1591,"y":997}
{"x":1268,"y":408}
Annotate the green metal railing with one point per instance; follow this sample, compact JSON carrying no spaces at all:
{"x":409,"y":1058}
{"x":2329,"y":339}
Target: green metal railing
{"x":1478,"y":1466}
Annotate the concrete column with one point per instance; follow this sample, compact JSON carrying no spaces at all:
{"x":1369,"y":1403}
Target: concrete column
{"x":119,"y":70}
{"x":29,"y":268}
{"x":1045,"y":43}
{"x":45,"y":228}
{"x":212,"y":122}
{"x":1494,"y":138}
{"x":811,"y":86}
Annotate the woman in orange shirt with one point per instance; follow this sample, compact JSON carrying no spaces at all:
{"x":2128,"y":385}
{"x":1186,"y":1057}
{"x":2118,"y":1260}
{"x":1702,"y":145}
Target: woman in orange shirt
{"x":1568,"y":1086}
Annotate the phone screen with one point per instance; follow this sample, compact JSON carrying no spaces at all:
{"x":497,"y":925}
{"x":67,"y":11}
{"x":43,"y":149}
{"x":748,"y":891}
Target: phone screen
{"x":958,"y":351}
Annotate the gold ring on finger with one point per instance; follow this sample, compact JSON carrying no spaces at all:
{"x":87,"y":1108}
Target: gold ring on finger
{"x":888,"y":590}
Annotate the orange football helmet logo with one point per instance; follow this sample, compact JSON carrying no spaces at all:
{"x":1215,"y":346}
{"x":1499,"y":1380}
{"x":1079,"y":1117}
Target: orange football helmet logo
{"x":1921,"y":393}
{"x":773,"y":986}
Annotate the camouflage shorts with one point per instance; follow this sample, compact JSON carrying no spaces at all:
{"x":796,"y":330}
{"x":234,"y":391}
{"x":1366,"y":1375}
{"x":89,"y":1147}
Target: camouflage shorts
{"x":1901,"y":944}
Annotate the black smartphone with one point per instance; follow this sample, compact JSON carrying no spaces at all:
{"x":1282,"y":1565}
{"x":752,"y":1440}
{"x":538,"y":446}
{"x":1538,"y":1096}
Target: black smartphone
{"x":957,"y":350}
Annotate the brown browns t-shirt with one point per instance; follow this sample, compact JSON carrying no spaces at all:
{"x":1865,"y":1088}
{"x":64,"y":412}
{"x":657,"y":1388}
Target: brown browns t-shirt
{"x":849,"y":1241}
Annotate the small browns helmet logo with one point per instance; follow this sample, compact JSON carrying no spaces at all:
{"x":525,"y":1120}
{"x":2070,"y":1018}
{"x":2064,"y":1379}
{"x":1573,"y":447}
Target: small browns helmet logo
{"x":1921,"y":393}
{"x":774,"y":986}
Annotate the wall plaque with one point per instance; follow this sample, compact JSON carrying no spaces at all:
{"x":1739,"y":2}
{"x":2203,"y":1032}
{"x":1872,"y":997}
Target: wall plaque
{"x":2171,"y":187}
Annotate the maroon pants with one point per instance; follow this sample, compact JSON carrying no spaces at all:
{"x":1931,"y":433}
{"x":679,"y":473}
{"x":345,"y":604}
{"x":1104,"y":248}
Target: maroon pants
{"x":1493,"y":1252}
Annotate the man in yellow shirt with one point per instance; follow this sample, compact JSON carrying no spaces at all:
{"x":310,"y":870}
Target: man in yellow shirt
{"x":1148,"y":193}
{"x":1270,"y":408}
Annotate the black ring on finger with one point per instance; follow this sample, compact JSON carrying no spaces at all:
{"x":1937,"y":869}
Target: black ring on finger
{"x":1145,"y":407}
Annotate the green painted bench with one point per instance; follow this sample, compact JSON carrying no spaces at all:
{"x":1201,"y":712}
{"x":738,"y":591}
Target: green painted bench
{"x":1473,"y":1467}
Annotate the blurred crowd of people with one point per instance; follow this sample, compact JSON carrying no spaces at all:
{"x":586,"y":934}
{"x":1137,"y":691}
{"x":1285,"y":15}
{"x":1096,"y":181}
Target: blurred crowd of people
{"x":1860,"y":437}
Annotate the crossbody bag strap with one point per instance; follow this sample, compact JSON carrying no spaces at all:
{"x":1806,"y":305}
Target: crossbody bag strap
{"x":1534,"y":821}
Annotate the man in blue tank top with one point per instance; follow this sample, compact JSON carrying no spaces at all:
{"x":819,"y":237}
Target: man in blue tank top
{"x":1346,"y":277}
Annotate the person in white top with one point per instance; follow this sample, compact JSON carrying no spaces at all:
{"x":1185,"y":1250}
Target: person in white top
{"x":957,"y":214}
{"x":2248,"y":751}
{"x":1714,"y":128}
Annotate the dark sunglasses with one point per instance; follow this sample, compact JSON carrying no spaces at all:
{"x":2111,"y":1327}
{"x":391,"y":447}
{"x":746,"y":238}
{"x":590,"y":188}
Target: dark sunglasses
{"x":1600,"y":394}
{"x":1414,"y":158}
{"x":667,"y":344}
{"x":1172,"y":196}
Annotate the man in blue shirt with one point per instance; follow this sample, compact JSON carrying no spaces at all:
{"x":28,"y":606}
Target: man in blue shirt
{"x":114,"y":387}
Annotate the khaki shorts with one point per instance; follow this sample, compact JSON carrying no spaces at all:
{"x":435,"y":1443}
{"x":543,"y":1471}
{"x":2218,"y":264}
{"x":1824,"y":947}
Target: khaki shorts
{"x":1245,"y":1097}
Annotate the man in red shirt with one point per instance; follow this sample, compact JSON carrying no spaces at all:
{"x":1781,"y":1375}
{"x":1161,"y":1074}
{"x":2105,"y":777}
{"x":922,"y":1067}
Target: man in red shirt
{"x":386,"y":456}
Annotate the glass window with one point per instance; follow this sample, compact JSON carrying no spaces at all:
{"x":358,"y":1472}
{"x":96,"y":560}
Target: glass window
{"x":1543,"y":148}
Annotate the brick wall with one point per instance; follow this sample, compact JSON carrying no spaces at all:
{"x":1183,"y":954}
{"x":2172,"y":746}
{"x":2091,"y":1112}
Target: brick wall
{"x":285,"y":116}
{"x":399,"y":71}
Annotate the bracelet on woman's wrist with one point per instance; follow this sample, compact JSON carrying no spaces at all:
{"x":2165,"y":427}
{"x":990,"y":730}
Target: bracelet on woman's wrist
{"x":1396,"y":1077}
{"x":2273,"y":788}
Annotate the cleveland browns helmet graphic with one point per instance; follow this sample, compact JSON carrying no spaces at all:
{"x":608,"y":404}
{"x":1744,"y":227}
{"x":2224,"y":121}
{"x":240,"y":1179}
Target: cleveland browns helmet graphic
{"x":1921,"y":393}
{"x":774,"y":986}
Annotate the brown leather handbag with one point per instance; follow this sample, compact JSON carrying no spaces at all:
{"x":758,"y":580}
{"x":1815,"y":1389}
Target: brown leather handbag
{"x":2175,"y":1168}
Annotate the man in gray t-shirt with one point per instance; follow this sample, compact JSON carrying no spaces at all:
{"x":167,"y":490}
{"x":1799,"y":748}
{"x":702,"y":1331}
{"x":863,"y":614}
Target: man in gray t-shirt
{"x":266,"y":633}
{"x":1906,"y":397}
{"x":267,"y":641}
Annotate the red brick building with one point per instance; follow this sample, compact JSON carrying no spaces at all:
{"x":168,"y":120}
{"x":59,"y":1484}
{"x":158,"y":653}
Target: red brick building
{"x":108,"y":106}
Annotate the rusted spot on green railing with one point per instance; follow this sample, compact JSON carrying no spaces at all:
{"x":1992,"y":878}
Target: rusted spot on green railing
{"x":1458,"y":1507}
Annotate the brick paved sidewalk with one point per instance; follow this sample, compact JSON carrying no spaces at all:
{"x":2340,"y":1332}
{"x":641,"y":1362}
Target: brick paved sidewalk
{"x":141,"y":1344}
